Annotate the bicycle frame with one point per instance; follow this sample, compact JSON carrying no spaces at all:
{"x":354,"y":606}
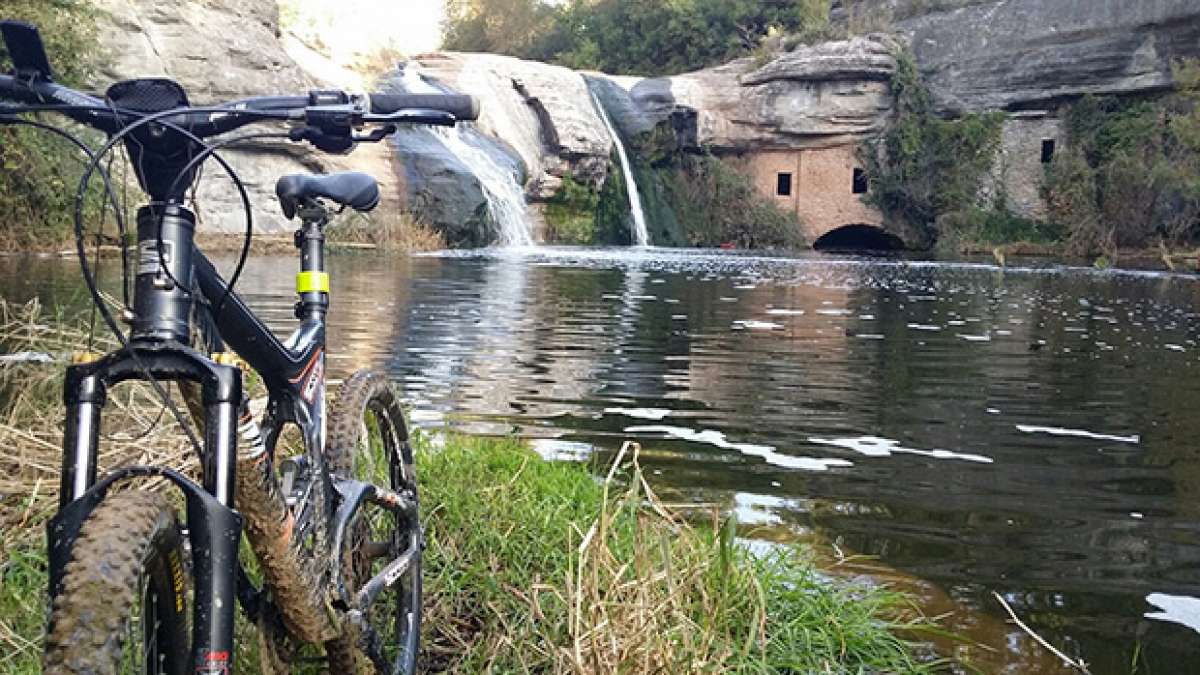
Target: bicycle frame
{"x":293,"y":372}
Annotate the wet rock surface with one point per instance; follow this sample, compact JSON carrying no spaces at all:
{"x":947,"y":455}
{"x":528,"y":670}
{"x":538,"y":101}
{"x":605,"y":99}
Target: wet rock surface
{"x":543,"y":112}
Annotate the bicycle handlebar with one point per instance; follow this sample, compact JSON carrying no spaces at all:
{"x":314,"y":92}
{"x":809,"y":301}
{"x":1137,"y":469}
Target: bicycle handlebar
{"x":319,"y":108}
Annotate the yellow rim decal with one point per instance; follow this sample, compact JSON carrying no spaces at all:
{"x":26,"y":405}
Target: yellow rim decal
{"x":310,"y":282}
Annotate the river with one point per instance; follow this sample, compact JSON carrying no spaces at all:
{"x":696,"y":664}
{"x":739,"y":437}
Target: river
{"x":1030,"y":431}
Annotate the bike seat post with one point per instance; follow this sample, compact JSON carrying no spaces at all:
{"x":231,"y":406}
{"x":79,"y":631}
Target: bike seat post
{"x":312,"y":283}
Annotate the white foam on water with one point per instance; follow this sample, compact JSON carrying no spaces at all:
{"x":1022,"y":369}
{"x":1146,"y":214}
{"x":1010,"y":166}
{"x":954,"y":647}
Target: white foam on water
{"x":874,"y":446}
{"x":785,"y":312}
{"x":834,"y":312}
{"x":975,"y":338}
{"x":921,"y":326}
{"x":1077,"y":433}
{"x":655,"y":414}
{"x":1179,"y":609}
{"x":755,"y":509}
{"x":768,"y":453}
{"x":554,"y":450}
{"x":755,"y":325}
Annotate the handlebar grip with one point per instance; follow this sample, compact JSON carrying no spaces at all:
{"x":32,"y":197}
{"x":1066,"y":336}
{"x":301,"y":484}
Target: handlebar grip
{"x":462,"y":106}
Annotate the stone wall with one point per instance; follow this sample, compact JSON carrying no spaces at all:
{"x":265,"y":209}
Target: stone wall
{"x":1019,"y":170}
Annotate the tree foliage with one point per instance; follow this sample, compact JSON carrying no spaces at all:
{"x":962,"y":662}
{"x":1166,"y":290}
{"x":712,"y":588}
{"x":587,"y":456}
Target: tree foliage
{"x":644,"y":37}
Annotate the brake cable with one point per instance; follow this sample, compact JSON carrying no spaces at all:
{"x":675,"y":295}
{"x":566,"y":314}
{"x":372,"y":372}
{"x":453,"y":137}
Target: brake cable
{"x":209,"y":150}
{"x":99,"y":303}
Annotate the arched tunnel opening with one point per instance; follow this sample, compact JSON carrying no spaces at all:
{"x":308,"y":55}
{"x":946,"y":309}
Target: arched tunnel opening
{"x":859,"y":239}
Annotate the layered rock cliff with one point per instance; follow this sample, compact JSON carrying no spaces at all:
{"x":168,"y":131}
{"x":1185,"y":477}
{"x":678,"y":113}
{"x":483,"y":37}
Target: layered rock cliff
{"x":974,"y":54}
{"x":1019,"y":54}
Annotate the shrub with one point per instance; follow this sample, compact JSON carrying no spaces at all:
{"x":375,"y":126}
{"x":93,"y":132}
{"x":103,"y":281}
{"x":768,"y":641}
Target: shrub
{"x":571,"y":213}
{"x":925,"y":167}
{"x":1131,"y":175}
{"x":717,"y":205}
{"x":38,"y":171}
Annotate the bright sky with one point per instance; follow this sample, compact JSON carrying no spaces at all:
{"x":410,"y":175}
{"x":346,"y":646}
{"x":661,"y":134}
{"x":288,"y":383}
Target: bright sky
{"x":412,"y":26}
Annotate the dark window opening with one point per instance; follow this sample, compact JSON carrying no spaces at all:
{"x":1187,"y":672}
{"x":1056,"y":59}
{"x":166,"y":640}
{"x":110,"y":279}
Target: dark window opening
{"x":1047,"y":150}
{"x":783,"y":186}
{"x":860,"y":182}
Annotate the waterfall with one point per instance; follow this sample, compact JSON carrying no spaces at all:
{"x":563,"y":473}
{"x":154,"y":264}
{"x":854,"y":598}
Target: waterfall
{"x":641,"y":236}
{"x":505,"y":196}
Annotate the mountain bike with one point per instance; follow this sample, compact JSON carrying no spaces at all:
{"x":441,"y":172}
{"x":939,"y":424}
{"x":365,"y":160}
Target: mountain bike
{"x":334,"y":530}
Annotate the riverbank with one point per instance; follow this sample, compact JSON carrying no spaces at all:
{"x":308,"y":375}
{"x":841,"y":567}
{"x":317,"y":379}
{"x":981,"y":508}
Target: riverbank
{"x":1160,"y":258}
{"x":356,"y":232}
{"x":530,"y":565}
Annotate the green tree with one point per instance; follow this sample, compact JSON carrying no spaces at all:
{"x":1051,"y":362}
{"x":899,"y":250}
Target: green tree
{"x":523,"y":28}
{"x":645,"y":37}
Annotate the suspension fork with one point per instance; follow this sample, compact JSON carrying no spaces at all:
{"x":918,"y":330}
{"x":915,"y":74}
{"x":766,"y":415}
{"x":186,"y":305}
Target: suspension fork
{"x":214,"y":528}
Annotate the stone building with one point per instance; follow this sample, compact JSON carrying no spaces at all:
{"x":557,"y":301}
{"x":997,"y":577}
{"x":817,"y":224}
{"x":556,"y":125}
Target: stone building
{"x":1029,"y":141}
{"x":822,"y":186}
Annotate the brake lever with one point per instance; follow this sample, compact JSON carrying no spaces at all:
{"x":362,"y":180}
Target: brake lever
{"x":338,"y":144}
{"x":377,"y":135}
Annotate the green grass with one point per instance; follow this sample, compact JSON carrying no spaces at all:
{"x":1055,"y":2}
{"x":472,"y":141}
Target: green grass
{"x":513,"y":587}
{"x":504,"y":573}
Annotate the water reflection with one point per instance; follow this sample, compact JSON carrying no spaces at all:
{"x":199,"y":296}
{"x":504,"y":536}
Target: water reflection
{"x":1028,"y":431}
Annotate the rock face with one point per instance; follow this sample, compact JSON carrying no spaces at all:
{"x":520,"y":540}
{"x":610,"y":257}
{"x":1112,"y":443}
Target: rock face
{"x":543,"y":112}
{"x":220,"y":50}
{"x":1020,"y":54}
{"x":828,"y":94}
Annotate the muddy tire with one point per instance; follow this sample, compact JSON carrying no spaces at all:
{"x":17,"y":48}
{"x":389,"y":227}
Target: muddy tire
{"x":123,"y":605}
{"x":368,"y":441}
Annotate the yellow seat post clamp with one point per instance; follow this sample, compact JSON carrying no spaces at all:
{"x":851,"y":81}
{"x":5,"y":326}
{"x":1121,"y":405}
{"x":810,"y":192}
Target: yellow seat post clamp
{"x":312,"y":282}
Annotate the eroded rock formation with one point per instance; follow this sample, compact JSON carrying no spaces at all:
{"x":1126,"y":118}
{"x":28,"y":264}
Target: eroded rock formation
{"x":828,"y":94}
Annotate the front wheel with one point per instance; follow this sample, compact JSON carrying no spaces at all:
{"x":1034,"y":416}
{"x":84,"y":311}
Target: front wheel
{"x":368,"y":441}
{"x":122,"y":608}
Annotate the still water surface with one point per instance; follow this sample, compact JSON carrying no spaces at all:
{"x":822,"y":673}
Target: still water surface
{"x":1029,"y":431}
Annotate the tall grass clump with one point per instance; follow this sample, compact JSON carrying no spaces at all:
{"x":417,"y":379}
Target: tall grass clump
{"x":536,"y":567}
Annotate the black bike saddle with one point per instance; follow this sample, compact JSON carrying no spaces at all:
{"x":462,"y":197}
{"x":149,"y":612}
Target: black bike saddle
{"x":348,"y":188}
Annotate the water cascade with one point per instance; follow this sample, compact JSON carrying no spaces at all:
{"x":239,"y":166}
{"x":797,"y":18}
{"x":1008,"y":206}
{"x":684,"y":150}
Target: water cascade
{"x":641,"y":236}
{"x":505,"y":196}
